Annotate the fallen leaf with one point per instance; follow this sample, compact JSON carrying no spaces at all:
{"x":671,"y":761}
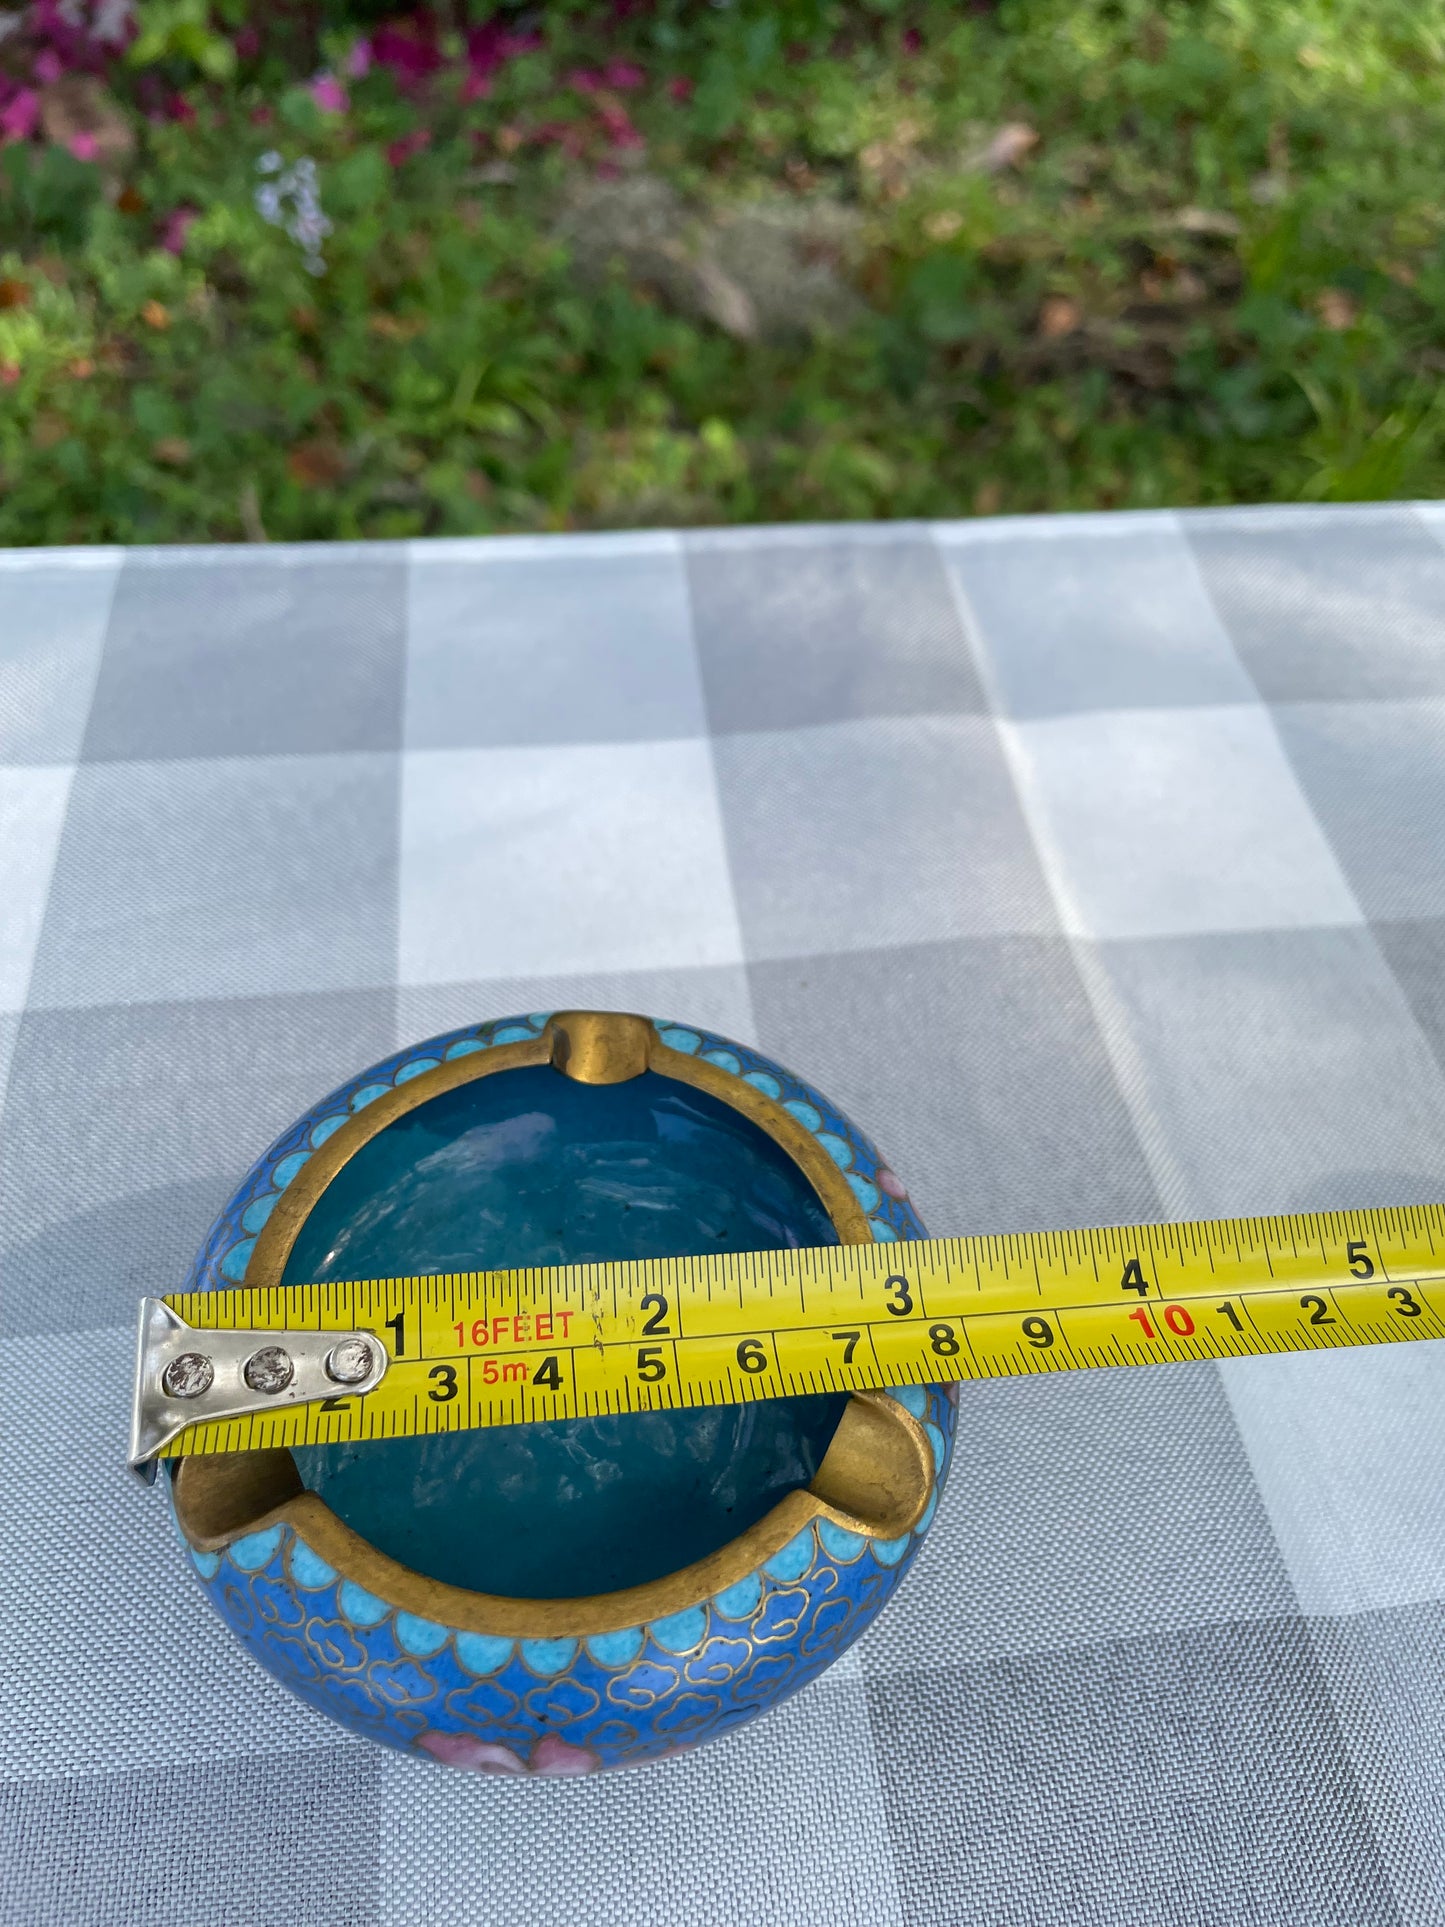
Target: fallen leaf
{"x":173,"y":450}
{"x":943,"y":225}
{"x":1205,"y":220}
{"x":14,"y":293}
{"x":1171,"y":282}
{"x":1336,"y":309}
{"x":82,"y":368}
{"x":891,"y":163}
{"x":1009,"y":146}
{"x":1058,"y":317}
{"x":725,"y":303}
{"x":155,"y":315}
{"x":316,"y":464}
{"x":130,"y":200}
{"x":395,"y":327}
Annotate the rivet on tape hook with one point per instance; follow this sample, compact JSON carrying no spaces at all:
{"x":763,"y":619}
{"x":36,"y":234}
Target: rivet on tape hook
{"x":186,"y":1376}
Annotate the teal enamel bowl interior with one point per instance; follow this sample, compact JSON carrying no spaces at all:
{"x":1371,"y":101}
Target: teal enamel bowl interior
{"x":530,"y":1167}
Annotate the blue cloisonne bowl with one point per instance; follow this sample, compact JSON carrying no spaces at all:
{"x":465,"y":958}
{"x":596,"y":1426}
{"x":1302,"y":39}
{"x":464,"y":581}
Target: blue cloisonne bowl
{"x":555,"y":1598}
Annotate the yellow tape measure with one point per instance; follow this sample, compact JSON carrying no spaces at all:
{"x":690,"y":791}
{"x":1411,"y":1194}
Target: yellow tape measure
{"x":502,"y":1348}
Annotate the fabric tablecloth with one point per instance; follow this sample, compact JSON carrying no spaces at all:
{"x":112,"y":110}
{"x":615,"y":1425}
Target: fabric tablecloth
{"x":1095,"y":865}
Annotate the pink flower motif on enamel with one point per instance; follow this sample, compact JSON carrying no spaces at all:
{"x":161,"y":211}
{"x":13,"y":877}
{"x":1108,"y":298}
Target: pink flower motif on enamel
{"x":554,"y":1756}
{"x":478,"y":1756}
{"x":890,"y":1184}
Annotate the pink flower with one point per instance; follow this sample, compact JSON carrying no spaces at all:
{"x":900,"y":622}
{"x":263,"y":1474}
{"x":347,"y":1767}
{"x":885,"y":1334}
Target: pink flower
{"x":20,"y":119}
{"x":400,"y":46}
{"x":484,"y":50}
{"x":177,"y":226}
{"x":329,"y":94}
{"x":180,"y":109}
{"x":358,"y":61}
{"x":48,"y":67}
{"x":618,"y":76}
{"x":913,"y":41}
{"x":9,"y":373}
{"x":488,"y":50}
{"x":248,"y":43}
{"x":680,"y":87}
{"x":554,"y":1756}
{"x":620,"y":130}
{"x":409,"y":144}
{"x":464,"y":1750}
{"x":84,"y":146}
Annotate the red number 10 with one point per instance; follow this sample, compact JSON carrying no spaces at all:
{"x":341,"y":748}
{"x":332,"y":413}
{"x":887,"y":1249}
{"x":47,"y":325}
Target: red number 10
{"x":1175,"y":1317}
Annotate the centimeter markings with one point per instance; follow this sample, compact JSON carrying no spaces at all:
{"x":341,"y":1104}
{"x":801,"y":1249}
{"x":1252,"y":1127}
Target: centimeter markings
{"x":497,"y":1348}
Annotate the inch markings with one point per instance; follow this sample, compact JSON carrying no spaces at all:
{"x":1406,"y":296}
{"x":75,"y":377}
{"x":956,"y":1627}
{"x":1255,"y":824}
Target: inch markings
{"x":497,"y":1348}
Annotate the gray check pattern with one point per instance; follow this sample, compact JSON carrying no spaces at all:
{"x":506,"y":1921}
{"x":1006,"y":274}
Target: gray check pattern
{"x":1095,"y":865}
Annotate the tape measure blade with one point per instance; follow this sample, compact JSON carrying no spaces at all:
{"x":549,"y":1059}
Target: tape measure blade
{"x":495,"y":1348}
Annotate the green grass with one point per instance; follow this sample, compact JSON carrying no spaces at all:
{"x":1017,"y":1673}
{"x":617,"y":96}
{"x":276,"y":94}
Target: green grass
{"x":1217,"y":276}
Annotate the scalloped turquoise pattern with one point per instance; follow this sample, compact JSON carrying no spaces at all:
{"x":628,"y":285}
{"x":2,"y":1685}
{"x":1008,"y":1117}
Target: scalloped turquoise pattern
{"x":559,"y":1706}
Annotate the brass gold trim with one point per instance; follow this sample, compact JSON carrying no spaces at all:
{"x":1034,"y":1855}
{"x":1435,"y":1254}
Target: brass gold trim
{"x":593,"y":1046}
{"x":600,"y":1046}
{"x":876,"y":1477}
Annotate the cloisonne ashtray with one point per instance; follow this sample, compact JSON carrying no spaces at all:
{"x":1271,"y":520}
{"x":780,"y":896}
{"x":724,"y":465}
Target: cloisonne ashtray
{"x":556,"y":1598}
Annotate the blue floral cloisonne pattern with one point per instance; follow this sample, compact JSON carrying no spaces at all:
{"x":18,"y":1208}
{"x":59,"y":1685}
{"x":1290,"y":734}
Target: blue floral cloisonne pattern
{"x":562,"y":1706}
{"x":559,"y":1706}
{"x":231,"y":1240}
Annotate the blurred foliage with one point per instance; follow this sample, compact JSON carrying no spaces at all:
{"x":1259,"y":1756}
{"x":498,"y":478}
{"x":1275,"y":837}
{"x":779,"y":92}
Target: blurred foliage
{"x":1112,"y":253}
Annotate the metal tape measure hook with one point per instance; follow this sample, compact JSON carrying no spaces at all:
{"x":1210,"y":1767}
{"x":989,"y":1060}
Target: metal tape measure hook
{"x":185,"y":1375}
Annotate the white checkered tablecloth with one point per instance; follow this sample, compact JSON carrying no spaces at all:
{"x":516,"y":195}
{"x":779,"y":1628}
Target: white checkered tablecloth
{"x":1095,"y":865}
